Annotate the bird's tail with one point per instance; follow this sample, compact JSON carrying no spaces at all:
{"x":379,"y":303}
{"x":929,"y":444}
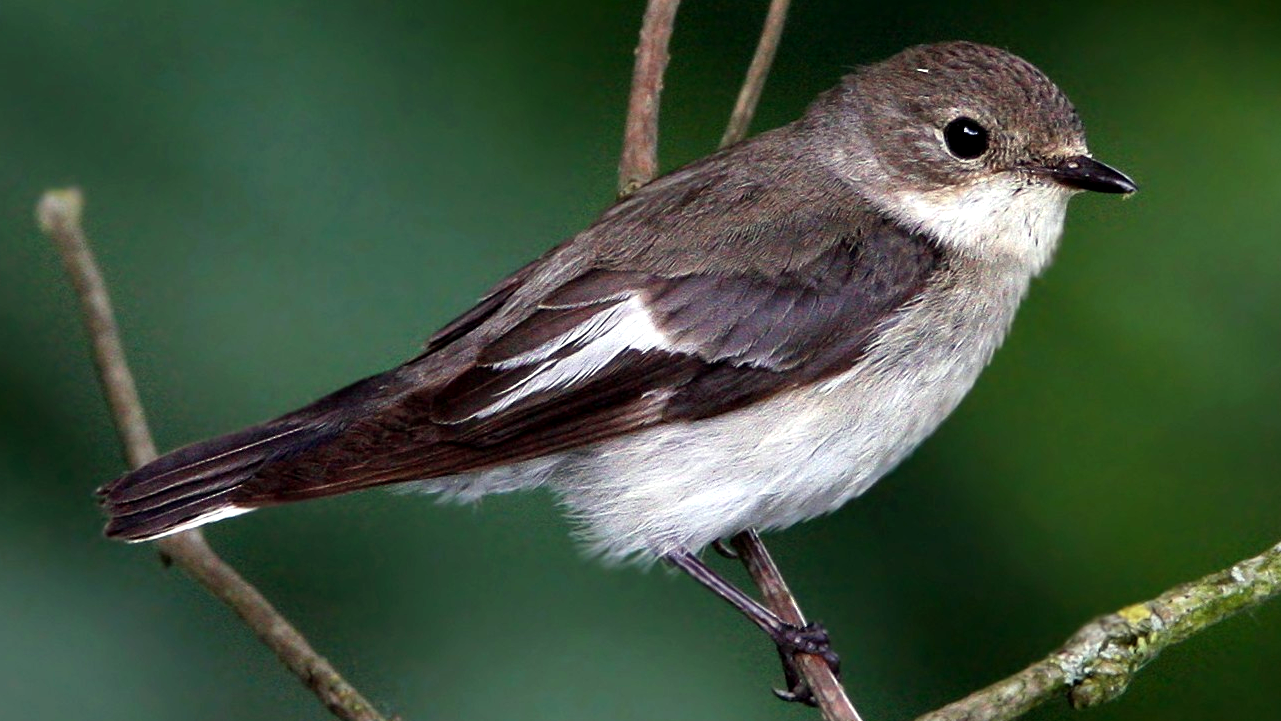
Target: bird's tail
{"x":198,"y":484}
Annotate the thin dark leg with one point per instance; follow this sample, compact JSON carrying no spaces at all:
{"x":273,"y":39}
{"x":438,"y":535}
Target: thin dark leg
{"x":746,"y":605}
{"x":789,"y":639}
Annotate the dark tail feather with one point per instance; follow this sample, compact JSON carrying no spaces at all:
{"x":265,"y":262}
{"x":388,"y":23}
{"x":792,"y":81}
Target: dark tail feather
{"x":197,"y":484}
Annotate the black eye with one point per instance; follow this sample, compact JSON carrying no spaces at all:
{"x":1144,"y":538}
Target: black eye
{"x":965,"y":138}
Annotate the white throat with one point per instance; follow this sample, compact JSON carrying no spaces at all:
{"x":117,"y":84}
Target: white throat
{"x":1006,"y":216}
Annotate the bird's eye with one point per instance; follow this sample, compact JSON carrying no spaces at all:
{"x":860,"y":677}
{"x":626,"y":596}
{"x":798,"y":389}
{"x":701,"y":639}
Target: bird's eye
{"x":965,"y":138}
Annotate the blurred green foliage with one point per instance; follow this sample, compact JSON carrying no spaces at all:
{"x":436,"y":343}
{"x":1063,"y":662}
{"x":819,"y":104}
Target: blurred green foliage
{"x":286,"y":196}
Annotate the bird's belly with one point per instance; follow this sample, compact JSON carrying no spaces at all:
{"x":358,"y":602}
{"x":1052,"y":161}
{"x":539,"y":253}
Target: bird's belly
{"x":793,"y":457}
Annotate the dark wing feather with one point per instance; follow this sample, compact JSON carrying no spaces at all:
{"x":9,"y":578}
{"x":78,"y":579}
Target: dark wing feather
{"x":479,"y":313}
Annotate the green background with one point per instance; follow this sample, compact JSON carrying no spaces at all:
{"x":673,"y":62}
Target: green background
{"x":286,"y":196}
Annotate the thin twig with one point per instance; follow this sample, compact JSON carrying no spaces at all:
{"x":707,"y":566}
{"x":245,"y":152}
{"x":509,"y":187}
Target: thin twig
{"x":58,"y":214}
{"x":741,"y":119}
{"x":828,"y":691}
{"x":1099,"y":661}
{"x":638,"y":163}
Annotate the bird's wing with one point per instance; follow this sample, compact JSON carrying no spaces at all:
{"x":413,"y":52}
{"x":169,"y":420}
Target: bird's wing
{"x":537,"y":368}
{"x":612,"y":351}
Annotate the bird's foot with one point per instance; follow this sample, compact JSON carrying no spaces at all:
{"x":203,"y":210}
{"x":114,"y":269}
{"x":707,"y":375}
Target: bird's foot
{"x":812,"y":639}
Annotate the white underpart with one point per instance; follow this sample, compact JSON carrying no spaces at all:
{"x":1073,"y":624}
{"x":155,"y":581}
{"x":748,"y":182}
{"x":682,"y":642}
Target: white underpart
{"x":622,"y":327}
{"x":795,"y":456}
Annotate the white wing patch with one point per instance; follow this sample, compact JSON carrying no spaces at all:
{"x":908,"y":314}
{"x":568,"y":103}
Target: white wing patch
{"x":625,"y":326}
{"x":217,"y":514}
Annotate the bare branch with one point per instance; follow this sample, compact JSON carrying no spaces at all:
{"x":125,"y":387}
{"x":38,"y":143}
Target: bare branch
{"x":750,"y":94}
{"x":827,"y":690}
{"x":639,"y":161}
{"x":1099,"y":661}
{"x":59,"y":217}
{"x":58,"y":214}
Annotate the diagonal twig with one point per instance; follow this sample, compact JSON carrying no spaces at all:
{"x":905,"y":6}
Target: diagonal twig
{"x":638,"y":163}
{"x":828,"y":691}
{"x":741,"y":119}
{"x":58,"y":215}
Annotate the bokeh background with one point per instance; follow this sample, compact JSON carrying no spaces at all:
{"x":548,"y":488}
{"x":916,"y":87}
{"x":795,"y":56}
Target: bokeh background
{"x":286,"y":196}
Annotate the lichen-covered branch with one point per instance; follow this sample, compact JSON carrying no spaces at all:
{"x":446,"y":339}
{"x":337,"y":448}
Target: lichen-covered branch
{"x":58,"y":214}
{"x":1099,"y":661}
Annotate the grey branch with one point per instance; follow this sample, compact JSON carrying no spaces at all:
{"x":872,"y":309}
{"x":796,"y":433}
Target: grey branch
{"x":59,"y":214}
{"x":1099,"y":661}
{"x":638,"y":163}
{"x":830,"y":695}
{"x":741,"y":119}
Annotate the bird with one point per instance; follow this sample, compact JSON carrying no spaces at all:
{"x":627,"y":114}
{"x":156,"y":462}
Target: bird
{"x":747,"y":342}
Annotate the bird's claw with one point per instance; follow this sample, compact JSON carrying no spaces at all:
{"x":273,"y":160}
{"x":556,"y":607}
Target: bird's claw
{"x":811,"y":639}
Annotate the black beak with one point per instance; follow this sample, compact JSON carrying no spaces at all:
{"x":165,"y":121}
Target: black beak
{"x":1086,"y":173}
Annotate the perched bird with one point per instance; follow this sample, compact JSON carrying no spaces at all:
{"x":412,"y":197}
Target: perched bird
{"x":747,"y":342}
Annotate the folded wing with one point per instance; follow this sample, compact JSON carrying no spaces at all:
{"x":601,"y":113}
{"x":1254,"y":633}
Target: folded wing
{"x":603,"y":353}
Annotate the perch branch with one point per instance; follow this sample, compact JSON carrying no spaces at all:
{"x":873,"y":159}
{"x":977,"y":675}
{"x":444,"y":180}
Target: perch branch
{"x":828,"y":691}
{"x":1098,"y":662}
{"x":741,"y":119}
{"x":58,"y":215}
{"x":639,"y":161}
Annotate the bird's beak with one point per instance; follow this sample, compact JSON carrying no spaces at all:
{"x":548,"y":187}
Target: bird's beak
{"x":1085,"y":173}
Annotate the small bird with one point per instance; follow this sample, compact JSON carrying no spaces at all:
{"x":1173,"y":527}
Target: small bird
{"x":747,"y":342}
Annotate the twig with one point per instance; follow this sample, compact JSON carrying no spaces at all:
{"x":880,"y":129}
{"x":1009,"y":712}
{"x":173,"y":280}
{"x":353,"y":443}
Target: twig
{"x":58,"y":214}
{"x":741,"y":119}
{"x":827,"y":690}
{"x":638,"y":163}
{"x":1099,"y":661}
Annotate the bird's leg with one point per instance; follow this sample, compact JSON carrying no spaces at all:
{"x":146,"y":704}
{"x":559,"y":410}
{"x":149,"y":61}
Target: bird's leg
{"x":790,"y":639}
